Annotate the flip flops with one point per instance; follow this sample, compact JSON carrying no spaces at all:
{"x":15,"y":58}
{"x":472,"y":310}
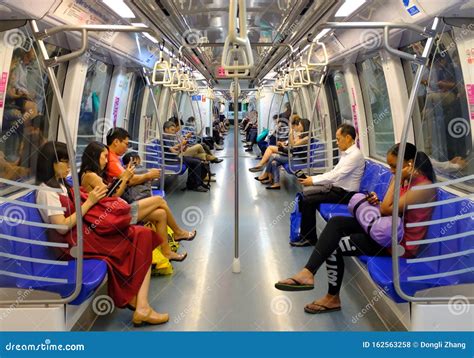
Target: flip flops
{"x":183,"y":257}
{"x":296,"y":286}
{"x":321,"y":309}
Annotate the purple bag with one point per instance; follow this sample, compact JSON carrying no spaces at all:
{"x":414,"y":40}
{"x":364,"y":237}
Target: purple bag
{"x":377,"y":226}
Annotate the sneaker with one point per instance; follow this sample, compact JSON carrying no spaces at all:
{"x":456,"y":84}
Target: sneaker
{"x":301,"y":243}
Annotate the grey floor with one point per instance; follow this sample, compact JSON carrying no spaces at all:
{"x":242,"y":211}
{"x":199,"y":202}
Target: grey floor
{"x":205,"y":295}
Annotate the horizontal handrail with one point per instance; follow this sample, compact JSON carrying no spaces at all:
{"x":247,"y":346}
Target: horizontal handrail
{"x":440,"y":202}
{"x":34,"y":223}
{"x":33,"y":259}
{"x":443,"y":183}
{"x":31,"y":277}
{"x":440,"y":221}
{"x":440,"y":257}
{"x":30,"y":186}
{"x":33,"y":242}
{"x":31,"y":205}
{"x":440,"y":239}
{"x":440,"y":275}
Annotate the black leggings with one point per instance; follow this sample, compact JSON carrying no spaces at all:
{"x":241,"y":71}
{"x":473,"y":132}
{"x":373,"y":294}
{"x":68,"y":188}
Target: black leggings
{"x":335,"y":242}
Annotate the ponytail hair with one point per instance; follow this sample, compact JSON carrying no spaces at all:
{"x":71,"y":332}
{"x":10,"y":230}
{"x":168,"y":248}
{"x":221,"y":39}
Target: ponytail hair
{"x":421,"y":161}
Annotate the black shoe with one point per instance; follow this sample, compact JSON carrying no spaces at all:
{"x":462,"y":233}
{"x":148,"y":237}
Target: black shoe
{"x":213,"y":174}
{"x":249,"y":149}
{"x":302,"y":243}
{"x":217,"y":160}
{"x":200,"y":189}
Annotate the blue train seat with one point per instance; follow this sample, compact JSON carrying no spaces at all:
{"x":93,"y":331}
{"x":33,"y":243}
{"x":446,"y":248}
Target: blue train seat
{"x":154,"y":159}
{"x":415,"y":273}
{"x":94,"y":271}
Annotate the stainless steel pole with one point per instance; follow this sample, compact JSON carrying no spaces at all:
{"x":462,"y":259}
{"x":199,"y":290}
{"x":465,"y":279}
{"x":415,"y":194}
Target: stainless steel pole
{"x":236,"y":262}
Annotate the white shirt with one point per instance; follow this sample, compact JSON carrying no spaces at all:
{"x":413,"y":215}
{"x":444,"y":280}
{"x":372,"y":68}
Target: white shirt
{"x":49,"y":198}
{"x":348,"y":172}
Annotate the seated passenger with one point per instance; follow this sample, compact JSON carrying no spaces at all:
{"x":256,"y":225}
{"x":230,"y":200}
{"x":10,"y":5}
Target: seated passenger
{"x":341,"y":182}
{"x":195,"y":180}
{"x":273,"y":149}
{"x":153,"y":209}
{"x":139,"y":191}
{"x":117,"y":139}
{"x":128,"y":256}
{"x":271,"y":174}
{"x":270,"y":139}
{"x":417,"y":170}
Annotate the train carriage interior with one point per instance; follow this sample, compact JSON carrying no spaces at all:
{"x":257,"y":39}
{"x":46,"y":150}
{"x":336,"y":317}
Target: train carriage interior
{"x":208,"y":115}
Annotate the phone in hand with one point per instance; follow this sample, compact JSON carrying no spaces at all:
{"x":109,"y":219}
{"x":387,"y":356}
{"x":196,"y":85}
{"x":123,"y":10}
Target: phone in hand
{"x":112,"y":188}
{"x":300,"y":174}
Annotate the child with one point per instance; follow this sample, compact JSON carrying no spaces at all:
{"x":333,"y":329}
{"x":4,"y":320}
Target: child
{"x":140,"y":191}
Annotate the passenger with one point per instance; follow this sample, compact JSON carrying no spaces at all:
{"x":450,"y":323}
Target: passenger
{"x":195,"y":181}
{"x":335,"y":186}
{"x":271,"y":174}
{"x":273,"y":149}
{"x":252,"y":132}
{"x":208,"y":142}
{"x":417,"y":170}
{"x":270,"y":139}
{"x":33,"y":139}
{"x":128,"y":257}
{"x":194,"y":151}
{"x":153,"y":209}
{"x":140,"y":191}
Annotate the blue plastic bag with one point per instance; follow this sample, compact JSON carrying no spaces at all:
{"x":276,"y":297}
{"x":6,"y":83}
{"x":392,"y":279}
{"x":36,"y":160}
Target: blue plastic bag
{"x":295,"y":220}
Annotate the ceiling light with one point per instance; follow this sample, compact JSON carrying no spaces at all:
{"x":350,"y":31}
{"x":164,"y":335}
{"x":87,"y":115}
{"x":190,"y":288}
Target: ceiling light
{"x":321,"y":34}
{"x":151,"y":38}
{"x":120,"y":8}
{"x":139,"y":24}
{"x":349,"y":7}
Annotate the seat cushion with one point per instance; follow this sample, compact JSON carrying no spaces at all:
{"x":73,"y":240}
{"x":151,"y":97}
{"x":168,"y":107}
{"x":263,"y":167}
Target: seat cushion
{"x":328,"y":211}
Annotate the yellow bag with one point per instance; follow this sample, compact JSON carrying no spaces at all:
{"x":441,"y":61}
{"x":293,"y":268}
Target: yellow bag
{"x":160,"y":265}
{"x":174,"y":245}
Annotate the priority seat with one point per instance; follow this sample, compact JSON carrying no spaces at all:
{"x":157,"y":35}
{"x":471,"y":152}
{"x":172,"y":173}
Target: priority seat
{"x":63,"y":274}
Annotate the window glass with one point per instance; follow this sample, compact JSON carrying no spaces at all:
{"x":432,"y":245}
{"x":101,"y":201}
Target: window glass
{"x":92,"y":124}
{"x":444,"y":129}
{"x":339,"y":98}
{"x":377,"y":106}
{"x":24,"y":109}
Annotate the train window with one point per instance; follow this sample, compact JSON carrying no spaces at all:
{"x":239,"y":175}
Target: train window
{"x":92,"y":123}
{"x":377,"y":107}
{"x":339,"y":98}
{"x":444,"y":128}
{"x":24,"y":119}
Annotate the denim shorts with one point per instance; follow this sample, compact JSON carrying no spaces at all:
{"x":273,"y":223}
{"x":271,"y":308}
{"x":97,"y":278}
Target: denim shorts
{"x":134,"y":213}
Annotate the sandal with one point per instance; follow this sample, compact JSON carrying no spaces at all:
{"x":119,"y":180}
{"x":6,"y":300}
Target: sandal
{"x":182,"y":258}
{"x":310,"y":308}
{"x":296,"y":286}
{"x":190,"y":237}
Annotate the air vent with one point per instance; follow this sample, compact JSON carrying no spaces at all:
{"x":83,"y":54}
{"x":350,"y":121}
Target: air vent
{"x":160,"y":5}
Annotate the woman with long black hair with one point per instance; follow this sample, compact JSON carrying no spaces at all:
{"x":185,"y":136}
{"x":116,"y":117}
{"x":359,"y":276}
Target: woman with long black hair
{"x":417,"y":170}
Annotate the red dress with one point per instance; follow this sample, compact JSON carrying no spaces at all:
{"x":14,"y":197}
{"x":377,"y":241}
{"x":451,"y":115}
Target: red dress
{"x":128,"y":255}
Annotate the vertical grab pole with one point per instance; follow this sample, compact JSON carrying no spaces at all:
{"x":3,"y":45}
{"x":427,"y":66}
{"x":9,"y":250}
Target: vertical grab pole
{"x":162,"y":152}
{"x":236,"y":262}
{"x":401,"y":154}
{"x":79,"y":254}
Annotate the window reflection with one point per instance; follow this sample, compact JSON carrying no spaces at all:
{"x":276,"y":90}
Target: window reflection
{"x":445,"y":129}
{"x":377,"y":106}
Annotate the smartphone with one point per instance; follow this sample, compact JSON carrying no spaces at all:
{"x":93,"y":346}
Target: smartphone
{"x":113,"y":187}
{"x":300,"y":175}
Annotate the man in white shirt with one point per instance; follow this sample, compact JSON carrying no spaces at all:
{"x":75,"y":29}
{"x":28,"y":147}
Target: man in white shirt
{"x":339,"y":184}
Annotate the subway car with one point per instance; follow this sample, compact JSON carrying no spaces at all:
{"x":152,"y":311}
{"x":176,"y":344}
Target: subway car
{"x":241,"y":165}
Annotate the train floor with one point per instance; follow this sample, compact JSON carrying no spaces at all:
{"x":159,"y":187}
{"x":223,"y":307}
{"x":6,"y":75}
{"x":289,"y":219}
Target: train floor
{"x":204,"y":294}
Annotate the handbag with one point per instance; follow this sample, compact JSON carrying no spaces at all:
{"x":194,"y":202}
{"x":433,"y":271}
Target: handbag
{"x":377,"y":226}
{"x":109,"y":215}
